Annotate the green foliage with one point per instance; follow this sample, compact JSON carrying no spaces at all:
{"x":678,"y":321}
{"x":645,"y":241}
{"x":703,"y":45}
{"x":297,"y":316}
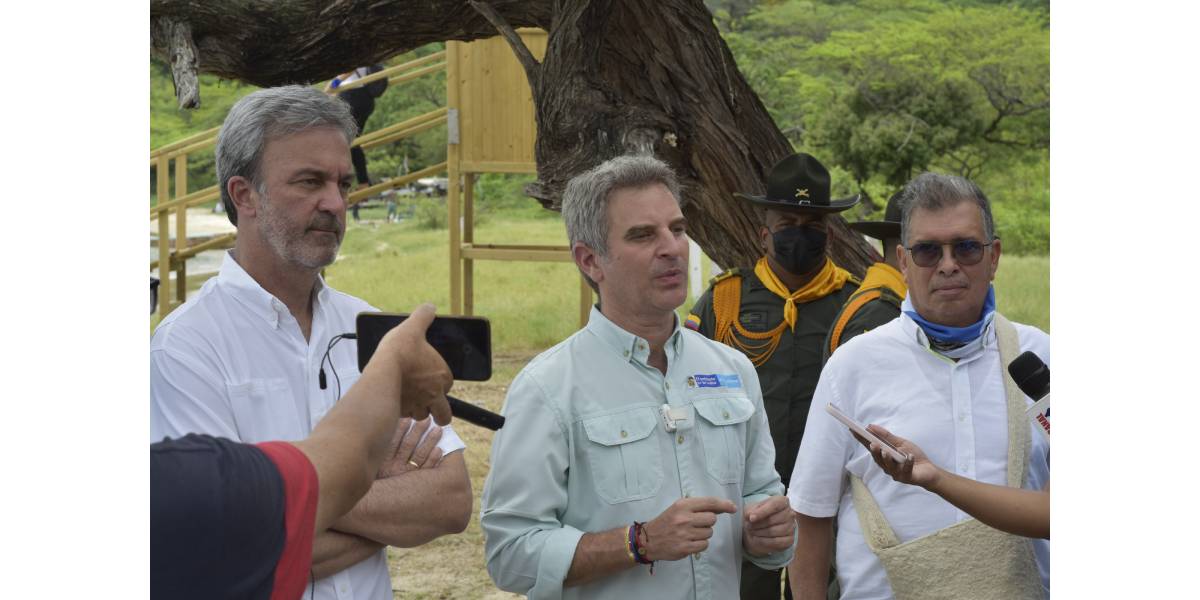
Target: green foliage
{"x":1021,"y":205}
{"x":502,"y":190}
{"x":893,"y":99}
{"x":430,"y":213}
{"x":169,"y":123}
{"x":882,"y":90}
{"x":504,"y":193}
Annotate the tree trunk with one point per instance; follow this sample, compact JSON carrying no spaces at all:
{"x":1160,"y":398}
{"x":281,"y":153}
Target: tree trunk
{"x":618,"y":76}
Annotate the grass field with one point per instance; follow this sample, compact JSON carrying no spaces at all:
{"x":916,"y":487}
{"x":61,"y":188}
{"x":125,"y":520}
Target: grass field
{"x":1023,"y":290}
{"x":531,"y":306}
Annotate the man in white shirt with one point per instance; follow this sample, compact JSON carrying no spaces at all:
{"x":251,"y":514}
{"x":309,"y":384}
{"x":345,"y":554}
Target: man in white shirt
{"x":255,"y":355}
{"x":937,"y":376}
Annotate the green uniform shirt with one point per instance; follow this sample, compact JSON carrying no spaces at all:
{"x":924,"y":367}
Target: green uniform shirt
{"x":790,"y":376}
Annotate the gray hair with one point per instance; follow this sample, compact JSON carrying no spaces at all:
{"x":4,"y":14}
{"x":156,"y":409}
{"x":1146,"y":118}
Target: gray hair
{"x":585,"y":200}
{"x":268,"y":114}
{"x":934,"y":192}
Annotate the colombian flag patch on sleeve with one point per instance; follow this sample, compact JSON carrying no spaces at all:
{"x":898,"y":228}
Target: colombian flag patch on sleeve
{"x":692,"y":322}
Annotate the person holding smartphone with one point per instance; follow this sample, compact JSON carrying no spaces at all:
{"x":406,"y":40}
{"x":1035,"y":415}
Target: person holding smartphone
{"x":1015,"y":510}
{"x":234,"y":520}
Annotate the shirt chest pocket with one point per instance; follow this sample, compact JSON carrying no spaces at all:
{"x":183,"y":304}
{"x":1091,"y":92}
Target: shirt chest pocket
{"x":722,"y":430}
{"x":264,"y":409}
{"x":623,"y":455}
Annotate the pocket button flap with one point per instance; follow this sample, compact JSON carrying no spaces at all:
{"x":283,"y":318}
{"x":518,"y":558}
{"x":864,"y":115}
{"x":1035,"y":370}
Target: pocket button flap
{"x":725,"y":410}
{"x":621,"y":428}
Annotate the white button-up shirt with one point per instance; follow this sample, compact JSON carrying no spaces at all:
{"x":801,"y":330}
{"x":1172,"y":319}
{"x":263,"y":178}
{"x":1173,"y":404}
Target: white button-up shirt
{"x":955,"y":411}
{"x":232,"y":362}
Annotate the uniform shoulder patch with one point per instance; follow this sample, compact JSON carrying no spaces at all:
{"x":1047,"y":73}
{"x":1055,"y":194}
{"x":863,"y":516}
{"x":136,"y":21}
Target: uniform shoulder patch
{"x":733,"y":272}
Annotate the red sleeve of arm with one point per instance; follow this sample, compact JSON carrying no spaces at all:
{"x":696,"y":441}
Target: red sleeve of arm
{"x":300,"y":516}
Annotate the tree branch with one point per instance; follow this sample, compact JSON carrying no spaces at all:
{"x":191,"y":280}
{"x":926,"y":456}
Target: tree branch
{"x":277,"y":42}
{"x":172,"y":42}
{"x":618,"y":76}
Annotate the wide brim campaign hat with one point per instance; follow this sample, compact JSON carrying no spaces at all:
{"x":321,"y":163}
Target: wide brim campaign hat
{"x":799,"y":183}
{"x":889,"y":227}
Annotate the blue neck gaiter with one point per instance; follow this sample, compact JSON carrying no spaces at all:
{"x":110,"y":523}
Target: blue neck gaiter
{"x":954,"y":335}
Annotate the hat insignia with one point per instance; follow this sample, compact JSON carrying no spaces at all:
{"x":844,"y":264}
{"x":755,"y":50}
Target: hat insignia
{"x":801,"y":192}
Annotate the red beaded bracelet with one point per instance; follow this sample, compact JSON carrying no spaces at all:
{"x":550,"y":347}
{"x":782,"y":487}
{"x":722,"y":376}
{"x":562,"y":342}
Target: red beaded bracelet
{"x":635,"y":547}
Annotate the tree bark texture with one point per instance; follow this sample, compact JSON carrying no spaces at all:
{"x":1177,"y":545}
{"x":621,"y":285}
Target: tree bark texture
{"x":618,"y":76}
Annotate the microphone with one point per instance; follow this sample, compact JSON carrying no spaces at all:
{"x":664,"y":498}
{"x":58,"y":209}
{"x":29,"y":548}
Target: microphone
{"x":475,"y":415}
{"x":1031,"y":375}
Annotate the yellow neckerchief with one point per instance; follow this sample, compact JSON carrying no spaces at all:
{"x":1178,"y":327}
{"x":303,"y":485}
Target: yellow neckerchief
{"x":830,"y":279}
{"x":883,"y":275}
{"x":760,"y":346}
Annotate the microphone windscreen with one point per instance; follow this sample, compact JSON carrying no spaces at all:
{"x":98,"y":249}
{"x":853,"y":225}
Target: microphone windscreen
{"x":1030,"y":374}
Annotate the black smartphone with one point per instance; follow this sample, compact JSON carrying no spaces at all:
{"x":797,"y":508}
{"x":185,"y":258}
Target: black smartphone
{"x":465,"y":343}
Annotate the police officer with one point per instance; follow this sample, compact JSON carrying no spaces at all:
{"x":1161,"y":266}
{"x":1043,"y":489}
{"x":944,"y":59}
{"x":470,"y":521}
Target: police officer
{"x":779,"y":313}
{"x":878,"y":298}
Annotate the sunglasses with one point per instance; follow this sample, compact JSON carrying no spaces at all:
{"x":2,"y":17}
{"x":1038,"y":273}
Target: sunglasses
{"x":965,"y":252}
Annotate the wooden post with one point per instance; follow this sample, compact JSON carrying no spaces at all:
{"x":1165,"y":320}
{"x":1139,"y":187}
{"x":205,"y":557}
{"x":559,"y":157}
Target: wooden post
{"x":453,"y":158}
{"x":468,"y":238}
{"x":453,"y":223}
{"x":181,"y":229}
{"x":164,"y":238}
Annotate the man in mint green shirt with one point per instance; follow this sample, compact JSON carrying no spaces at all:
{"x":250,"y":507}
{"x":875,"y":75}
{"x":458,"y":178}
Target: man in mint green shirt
{"x":634,"y":447}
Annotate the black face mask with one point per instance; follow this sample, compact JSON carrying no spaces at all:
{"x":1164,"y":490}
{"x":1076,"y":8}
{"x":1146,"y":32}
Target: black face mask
{"x":799,"y":249}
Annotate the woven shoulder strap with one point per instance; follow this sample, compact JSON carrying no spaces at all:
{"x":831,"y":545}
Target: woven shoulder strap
{"x":1019,"y":442}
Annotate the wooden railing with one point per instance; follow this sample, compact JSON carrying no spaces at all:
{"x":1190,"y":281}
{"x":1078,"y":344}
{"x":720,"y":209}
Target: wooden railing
{"x":175,"y":260}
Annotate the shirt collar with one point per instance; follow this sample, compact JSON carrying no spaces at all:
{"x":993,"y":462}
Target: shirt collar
{"x":246,"y":290}
{"x":912,"y":331}
{"x":628,"y":345}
